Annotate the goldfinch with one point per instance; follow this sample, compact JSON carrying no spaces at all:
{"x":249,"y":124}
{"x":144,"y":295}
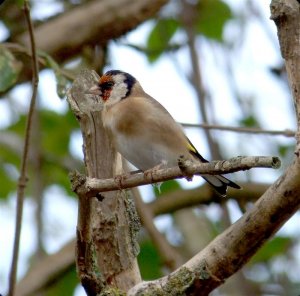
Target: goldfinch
{"x":142,"y":130}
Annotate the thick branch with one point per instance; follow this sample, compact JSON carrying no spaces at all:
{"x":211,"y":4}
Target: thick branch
{"x":91,"y":186}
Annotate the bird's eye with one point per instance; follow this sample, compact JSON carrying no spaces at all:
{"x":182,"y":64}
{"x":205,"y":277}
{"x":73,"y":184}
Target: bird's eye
{"x":107,"y":85}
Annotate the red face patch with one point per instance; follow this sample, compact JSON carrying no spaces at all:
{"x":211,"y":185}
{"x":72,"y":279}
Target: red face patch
{"x":106,"y":84}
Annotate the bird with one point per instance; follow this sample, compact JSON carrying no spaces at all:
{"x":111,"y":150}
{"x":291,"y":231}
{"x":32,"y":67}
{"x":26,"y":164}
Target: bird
{"x":143,"y":131}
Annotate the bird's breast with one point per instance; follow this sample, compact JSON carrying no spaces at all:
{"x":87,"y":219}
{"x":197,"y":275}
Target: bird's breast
{"x":119,"y":121}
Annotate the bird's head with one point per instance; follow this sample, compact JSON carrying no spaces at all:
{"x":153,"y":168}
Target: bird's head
{"x":113,"y":86}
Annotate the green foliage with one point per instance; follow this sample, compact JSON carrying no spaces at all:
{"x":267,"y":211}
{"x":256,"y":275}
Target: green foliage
{"x":278,"y":246}
{"x":160,"y":36}
{"x":9,"y":163}
{"x":286,"y":150}
{"x":9,"y":69}
{"x":65,"y":285}
{"x":166,"y":187}
{"x":149,"y":261}
{"x":210,"y":20}
{"x":212,"y":17}
{"x":249,"y":121}
{"x":55,"y":130}
{"x":54,"y":140}
{"x":8,"y":183}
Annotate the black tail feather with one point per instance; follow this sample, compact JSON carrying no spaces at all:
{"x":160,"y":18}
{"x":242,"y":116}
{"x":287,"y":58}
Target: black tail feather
{"x":220,"y":183}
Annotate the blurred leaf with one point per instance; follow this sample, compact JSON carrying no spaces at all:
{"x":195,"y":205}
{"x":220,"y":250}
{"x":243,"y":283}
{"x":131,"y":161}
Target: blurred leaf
{"x":56,"y":130}
{"x":9,"y":165}
{"x":149,"y":261}
{"x":166,"y":187}
{"x":276,"y":247}
{"x":285,"y":150}
{"x":8,"y":183}
{"x":54,"y":173}
{"x":249,"y":121}
{"x":9,"y":69}
{"x":62,"y":84}
{"x":64,"y":285}
{"x":159,"y":37}
{"x":212,"y":16}
{"x":20,"y":3}
{"x":61,"y":81}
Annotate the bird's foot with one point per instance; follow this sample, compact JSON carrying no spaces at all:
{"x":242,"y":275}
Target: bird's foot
{"x":152,"y":171}
{"x":183,"y":165}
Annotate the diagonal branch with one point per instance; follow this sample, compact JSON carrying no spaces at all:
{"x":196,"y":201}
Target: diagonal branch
{"x":91,"y":186}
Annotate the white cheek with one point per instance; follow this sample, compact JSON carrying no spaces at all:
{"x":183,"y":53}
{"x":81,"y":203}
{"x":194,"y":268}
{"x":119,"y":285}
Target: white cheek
{"x":118,"y":92}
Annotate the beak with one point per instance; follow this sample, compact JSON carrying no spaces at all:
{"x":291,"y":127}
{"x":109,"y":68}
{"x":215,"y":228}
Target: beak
{"x":94,"y":90}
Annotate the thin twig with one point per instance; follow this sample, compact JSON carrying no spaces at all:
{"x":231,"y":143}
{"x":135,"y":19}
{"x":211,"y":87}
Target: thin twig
{"x":23,"y":178}
{"x":248,"y":130}
{"x":90,"y":187}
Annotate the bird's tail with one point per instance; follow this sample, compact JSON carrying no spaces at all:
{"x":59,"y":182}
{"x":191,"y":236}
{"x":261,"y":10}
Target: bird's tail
{"x":220,"y":183}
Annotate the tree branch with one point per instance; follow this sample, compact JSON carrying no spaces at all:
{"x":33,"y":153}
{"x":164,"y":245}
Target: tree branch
{"x":248,"y":130}
{"x":23,"y":178}
{"x":204,"y":195}
{"x":91,"y":186}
